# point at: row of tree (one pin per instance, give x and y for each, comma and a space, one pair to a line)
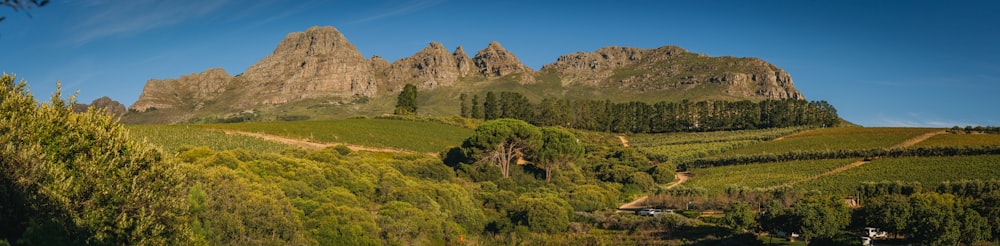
976, 129
641, 117
841, 154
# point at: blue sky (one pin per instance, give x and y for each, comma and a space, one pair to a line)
881, 63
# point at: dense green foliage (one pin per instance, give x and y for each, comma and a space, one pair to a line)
324, 197
79, 178
420, 136
641, 117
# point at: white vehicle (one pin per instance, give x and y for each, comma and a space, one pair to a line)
650, 212
875, 233
866, 241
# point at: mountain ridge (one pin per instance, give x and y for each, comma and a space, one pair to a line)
320, 64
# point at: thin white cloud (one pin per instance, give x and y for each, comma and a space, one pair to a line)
913, 120
400, 10
103, 19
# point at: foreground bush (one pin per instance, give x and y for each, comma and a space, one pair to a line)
78, 178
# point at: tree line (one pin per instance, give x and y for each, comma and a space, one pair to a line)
641, 117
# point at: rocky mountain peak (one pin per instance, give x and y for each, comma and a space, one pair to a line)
112, 107
431, 67
495, 61
465, 65
319, 62
379, 65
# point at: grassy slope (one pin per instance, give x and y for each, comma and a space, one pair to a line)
173, 137
398, 134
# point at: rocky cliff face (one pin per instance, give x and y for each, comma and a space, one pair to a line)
671, 67
431, 67
319, 62
189, 92
322, 63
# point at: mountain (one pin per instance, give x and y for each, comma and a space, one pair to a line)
319, 73
112, 107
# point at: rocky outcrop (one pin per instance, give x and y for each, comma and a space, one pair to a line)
431, 67
112, 107
671, 67
379, 66
319, 62
494, 61
465, 65
189, 91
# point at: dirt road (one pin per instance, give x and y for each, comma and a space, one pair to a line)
315, 145
624, 141
638, 203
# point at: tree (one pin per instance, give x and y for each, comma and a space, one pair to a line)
934, 220
502, 142
889, 212
559, 148
476, 112
464, 105
820, 216
490, 109
740, 217
406, 103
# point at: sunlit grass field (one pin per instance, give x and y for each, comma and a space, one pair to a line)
417, 136
173, 137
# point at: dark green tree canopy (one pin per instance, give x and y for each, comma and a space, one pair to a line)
406, 103
559, 147
502, 142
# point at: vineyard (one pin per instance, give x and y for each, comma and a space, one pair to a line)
718, 179
174, 138
833, 139
961, 140
928, 171
418, 136
680, 147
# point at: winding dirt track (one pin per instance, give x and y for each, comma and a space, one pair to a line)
315, 145
624, 141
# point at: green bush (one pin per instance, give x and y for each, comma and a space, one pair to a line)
79, 178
